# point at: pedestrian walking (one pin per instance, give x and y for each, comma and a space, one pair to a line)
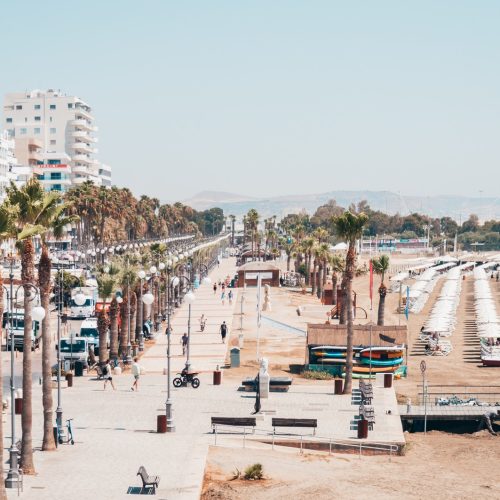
223, 286
184, 342
106, 372
223, 298
136, 372
215, 288
203, 322
230, 297
223, 331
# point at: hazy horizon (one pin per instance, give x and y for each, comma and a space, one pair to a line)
273, 99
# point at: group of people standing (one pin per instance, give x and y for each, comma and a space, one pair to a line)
230, 294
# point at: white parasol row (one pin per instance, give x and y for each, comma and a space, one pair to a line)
442, 318
487, 320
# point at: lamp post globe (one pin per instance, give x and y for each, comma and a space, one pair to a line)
206, 281
119, 299
148, 298
141, 274
152, 269
189, 297
79, 299
38, 313
161, 266
175, 281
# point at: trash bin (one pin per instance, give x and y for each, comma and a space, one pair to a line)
362, 428
161, 424
78, 369
18, 406
69, 379
235, 357
387, 380
338, 388
217, 377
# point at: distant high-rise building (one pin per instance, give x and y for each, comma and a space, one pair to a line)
51, 128
7, 163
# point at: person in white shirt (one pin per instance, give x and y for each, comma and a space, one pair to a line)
136, 372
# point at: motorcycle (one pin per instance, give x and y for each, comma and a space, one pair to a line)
184, 378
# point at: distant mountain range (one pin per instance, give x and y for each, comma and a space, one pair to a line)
457, 207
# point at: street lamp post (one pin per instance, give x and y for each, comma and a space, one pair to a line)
139, 333
38, 313
168, 404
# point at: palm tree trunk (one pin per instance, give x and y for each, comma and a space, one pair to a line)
124, 326
343, 304
313, 278
350, 263
334, 287
27, 276
3, 493
288, 259
321, 271
102, 327
113, 334
44, 282
382, 291
133, 314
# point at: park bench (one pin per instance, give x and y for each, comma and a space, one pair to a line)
367, 413
147, 480
295, 422
366, 391
234, 422
276, 384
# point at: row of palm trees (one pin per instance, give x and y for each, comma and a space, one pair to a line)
28, 214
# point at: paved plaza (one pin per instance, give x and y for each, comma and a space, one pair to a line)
115, 431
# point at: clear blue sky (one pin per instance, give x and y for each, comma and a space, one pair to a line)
274, 97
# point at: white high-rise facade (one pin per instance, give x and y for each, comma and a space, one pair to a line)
64, 126
7, 163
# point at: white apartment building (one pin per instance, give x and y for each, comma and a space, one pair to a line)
7, 163
64, 127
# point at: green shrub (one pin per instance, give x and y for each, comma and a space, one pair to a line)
253, 472
317, 375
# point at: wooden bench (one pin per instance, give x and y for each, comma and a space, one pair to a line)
276, 384
311, 423
147, 480
234, 422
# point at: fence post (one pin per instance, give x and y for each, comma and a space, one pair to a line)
301, 452
244, 435
215, 434
330, 447
359, 450
273, 439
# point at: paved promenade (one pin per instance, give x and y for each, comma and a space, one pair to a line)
115, 431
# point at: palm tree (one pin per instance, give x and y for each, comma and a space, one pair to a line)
6, 231
308, 245
253, 224
381, 266
322, 254
349, 226
113, 329
55, 220
337, 265
33, 206
106, 287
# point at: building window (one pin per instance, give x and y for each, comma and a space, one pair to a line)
18, 106
57, 187
52, 106
38, 118
37, 130
50, 119
70, 105
9, 120
37, 106
55, 176
52, 130
24, 131
54, 162
52, 142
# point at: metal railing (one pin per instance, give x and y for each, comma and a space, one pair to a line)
332, 443
482, 393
